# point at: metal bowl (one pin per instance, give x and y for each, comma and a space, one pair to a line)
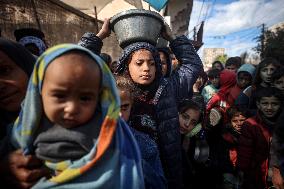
136, 25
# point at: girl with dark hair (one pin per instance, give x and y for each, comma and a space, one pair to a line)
194, 146
155, 98
264, 71
154, 110
263, 79
217, 65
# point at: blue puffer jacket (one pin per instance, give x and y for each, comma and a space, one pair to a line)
171, 91
176, 87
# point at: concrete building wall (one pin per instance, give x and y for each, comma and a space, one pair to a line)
60, 22
209, 56
178, 12
111, 47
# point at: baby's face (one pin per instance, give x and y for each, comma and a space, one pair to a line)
71, 90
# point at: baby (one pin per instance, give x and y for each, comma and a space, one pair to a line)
70, 120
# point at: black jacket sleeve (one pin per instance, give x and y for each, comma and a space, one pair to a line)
92, 42
189, 69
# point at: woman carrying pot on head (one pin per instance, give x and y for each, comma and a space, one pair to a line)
155, 109
16, 65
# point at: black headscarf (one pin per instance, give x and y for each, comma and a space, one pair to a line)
147, 92
25, 60
19, 54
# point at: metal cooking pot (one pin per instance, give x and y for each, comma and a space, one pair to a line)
137, 25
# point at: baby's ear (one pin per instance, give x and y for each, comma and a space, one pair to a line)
101, 92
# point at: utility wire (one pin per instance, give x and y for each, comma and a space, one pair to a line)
200, 12
207, 10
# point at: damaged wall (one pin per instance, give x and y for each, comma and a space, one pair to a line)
59, 22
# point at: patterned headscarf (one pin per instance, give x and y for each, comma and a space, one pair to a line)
148, 91
34, 40
127, 51
113, 162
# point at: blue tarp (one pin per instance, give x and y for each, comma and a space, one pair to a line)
157, 4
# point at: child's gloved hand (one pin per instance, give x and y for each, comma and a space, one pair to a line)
214, 117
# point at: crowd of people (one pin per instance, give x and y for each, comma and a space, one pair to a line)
72, 117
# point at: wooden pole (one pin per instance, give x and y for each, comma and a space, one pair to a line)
96, 16
36, 15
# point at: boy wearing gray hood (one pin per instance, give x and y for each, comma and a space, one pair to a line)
245, 76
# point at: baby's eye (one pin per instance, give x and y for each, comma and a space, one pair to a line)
85, 98
124, 107
59, 96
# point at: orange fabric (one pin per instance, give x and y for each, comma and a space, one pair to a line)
105, 138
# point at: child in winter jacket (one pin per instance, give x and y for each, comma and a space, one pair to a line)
255, 140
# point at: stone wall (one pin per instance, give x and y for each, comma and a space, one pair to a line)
111, 47
59, 22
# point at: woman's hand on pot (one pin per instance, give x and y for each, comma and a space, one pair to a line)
166, 32
105, 30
